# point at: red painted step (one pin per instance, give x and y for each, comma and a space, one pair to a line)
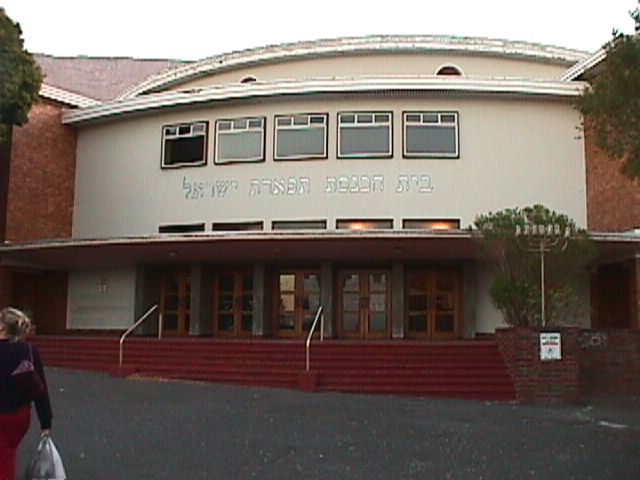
463, 369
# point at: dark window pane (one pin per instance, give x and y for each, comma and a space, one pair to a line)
247, 323
184, 150
287, 321
418, 323
225, 322
378, 322
351, 321
418, 302
378, 302
225, 303
444, 323
311, 282
170, 321
351, 302
247, 303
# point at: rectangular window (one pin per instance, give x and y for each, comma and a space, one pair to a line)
240, 140
431, 135
364, 135
299, 225
181, 228
364, 224
236, 226
301, 136
431, 224
184, 145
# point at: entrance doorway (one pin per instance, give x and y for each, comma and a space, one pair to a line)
364, 306
432, 309
299, 299
233, 304
175, 303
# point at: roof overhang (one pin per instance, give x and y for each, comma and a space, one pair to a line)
584, 66
64, 96
259, 90
273, 247
241, 247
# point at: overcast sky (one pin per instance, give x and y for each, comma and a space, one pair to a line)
194, 29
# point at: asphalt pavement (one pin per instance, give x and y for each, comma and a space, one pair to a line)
121, 429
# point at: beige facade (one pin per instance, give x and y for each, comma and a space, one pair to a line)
217, 244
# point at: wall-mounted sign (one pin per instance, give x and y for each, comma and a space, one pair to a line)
550, 346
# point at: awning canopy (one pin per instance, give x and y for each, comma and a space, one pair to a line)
248, 247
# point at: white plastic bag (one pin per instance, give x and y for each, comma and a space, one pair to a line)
46, 464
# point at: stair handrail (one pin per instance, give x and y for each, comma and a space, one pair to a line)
319, 315
133, 327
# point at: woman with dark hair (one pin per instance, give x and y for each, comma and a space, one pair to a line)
15, 408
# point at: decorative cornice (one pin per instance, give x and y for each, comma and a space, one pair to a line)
68, 98
344, 46
460, 85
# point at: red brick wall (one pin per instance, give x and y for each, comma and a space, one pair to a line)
42, 176
594, 363
613, 199
610, 362
538, 381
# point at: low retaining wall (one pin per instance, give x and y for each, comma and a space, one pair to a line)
610, 362
535, 380
593, 363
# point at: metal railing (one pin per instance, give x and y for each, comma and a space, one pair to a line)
135, 325
320, 316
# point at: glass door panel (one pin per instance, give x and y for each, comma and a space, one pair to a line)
287, 312
431, 303
364, 304
299, 299
377, 314
444, 310
175, 303
233, 304
350, 305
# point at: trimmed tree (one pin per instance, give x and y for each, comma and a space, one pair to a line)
611, 105
513, 241
20, 78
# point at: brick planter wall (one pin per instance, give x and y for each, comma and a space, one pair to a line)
610, 362
538, 381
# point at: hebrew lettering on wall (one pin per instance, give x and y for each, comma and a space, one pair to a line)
301, 185
193, 190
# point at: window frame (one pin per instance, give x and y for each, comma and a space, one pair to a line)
180, 228
261, 158
364, 224
439, 113
292, 225
357, 113
292, 116
205, 153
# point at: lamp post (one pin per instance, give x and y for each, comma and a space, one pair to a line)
542, 238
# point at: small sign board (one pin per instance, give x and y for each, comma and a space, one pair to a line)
550, 346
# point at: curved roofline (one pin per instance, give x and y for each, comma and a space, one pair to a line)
342, 46
322, 86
